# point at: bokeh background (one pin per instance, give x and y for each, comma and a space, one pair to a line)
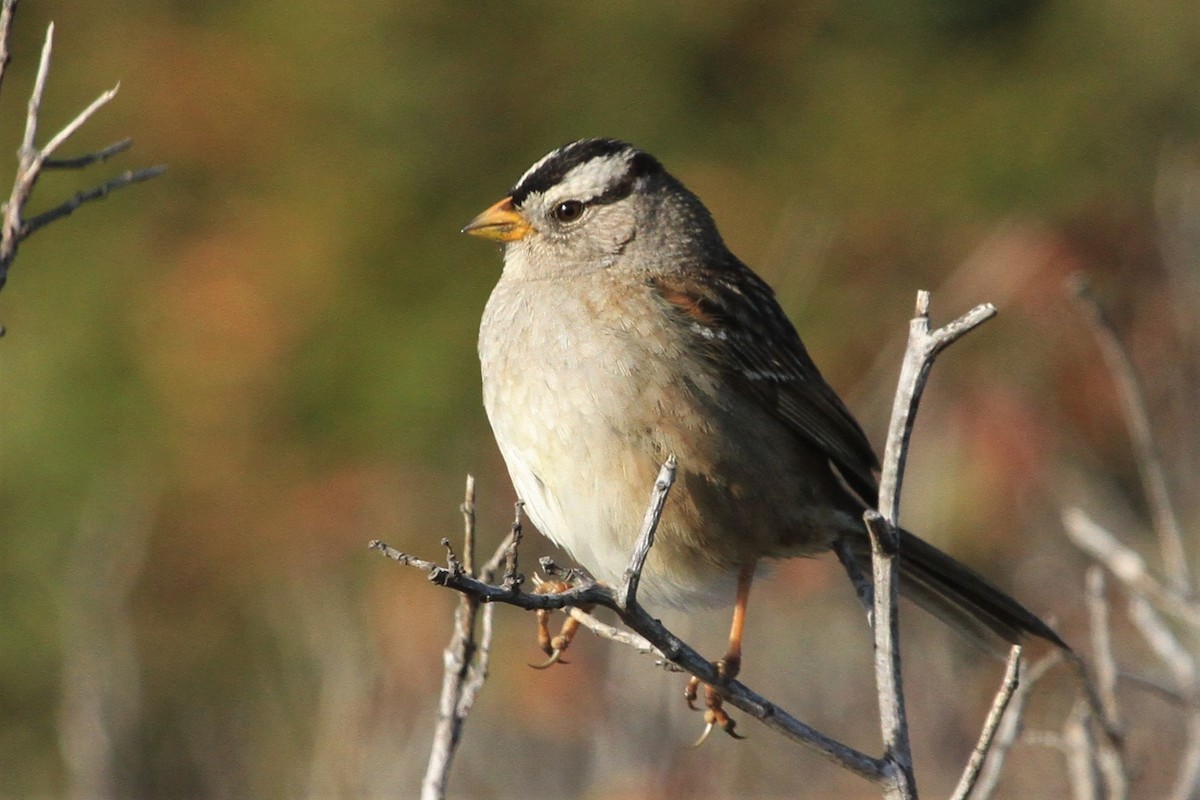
218, 386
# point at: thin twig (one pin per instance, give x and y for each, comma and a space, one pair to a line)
893, 720
1183, 668
1149, 461
78, 162
7, 11
1104, 661
68, 207
918, 360
31, 160
1010, 724
991, 725
465, 661
672, 648
627, 596
1128, 566
1101, 693
1080, 750
923, 348
614, 634
864, 589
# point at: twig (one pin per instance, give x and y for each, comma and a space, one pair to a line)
31, 160
1010, 724
6, 19
923, 348
614, 634
1183, 667
627, 595
863, 587
1101, 693
1128, 566
1105, 663
1079, 748
1149, 462
672, 648
893, 720
991, 725
90, 158
465, 662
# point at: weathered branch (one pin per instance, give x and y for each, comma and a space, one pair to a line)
673, 649
991, 725
32, 160
923, 348
465, 661
1010, 724
1128, 566
1137, 420
893, 772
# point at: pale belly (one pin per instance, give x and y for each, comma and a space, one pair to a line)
584, 433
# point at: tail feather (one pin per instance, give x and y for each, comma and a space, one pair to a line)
964, 599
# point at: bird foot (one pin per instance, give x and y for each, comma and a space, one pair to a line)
553, 646
714, 705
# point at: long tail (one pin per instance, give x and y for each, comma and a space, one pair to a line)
962, 598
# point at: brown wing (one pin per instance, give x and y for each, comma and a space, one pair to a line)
739, 323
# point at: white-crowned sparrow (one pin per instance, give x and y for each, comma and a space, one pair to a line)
623, 331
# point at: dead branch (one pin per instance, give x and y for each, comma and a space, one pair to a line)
465, 660
893, 772
32, 160
1137, 420
991, 726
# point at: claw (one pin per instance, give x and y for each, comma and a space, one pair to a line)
690, 693
715, 717
555, 658
704, 736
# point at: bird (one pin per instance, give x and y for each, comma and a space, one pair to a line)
623, 331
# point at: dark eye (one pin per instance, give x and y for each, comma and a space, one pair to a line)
568, 211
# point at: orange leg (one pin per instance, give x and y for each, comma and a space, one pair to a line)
553, 646
728, 667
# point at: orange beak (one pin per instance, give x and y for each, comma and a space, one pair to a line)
500, 223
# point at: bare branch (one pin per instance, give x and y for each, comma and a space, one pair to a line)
1149, 462
1128, 566
1079, 748
7, 11
31, 160
619, 635
1010, 724
1105, 663
658, 500
90, 158
34, 110
893, 720
672, 648
69, 129
465, 662
923, 348
68, 207
991, 725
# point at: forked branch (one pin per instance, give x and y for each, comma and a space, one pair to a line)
893, 771
32, 159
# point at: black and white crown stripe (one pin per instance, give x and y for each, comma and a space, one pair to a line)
607, 168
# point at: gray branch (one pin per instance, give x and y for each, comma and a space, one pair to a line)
32, 160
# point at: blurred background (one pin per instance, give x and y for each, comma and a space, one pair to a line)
218, 386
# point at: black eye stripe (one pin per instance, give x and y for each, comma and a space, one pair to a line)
572, 155
641, 164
